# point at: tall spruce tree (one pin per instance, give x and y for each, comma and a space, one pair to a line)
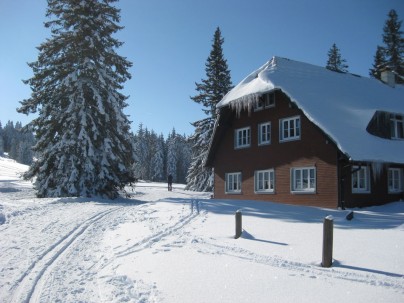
210, 91
335, 62
379, 63
83, 144
391, 55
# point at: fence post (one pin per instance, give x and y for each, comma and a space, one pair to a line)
239, 227
328, 227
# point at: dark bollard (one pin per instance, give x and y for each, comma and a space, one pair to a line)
350, 216
327, 241
239, 228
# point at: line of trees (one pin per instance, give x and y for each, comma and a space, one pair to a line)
16, 142
157, 157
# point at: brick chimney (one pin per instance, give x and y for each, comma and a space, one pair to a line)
388, 77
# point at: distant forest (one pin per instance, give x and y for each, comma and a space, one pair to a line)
156, 157
16, 143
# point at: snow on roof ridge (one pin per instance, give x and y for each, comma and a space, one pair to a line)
239, 96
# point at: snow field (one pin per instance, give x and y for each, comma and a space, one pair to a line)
179, 246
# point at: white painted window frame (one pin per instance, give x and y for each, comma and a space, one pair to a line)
233, 183
397, 127
363, 175
242, 137
395, 180
298, 180
264, 181
293, 125
266, 134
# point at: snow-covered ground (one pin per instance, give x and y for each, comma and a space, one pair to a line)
179, 246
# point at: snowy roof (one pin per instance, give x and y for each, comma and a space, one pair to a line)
341, 104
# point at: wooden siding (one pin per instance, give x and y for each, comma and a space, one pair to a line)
312, 150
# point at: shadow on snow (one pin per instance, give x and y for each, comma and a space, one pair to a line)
376, 217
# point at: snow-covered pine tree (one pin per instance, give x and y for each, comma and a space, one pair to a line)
379, 63
1, 140
141, 150
210, 92
391, 54
1, 146
394, 46
199, 178
157, 165
172, 155
184, 157
84, 147
151, 141
8, 134
335, 61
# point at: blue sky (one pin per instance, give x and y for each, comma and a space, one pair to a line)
169, 42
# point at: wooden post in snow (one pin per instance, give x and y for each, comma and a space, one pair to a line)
239, 227
328, 227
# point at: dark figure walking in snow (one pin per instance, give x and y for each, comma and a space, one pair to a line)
170, 182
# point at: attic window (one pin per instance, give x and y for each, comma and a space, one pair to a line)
387, 125
397, 127
265, 101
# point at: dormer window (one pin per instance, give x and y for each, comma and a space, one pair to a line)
265, 101
387, 125
397, 127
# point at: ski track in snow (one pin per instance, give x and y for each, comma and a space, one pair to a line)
162, 233
30, 283
71, 263
52, 272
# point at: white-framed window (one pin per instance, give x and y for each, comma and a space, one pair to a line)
266, 101
264, 133
395, 180
360, 179
289, 129
233, 183
303, 180
242, 137
264, 181
397, 127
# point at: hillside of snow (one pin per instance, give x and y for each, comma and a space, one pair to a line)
179, 246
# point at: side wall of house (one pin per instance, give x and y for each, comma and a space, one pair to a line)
311, 150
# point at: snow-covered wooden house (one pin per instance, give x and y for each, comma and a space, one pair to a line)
296, 133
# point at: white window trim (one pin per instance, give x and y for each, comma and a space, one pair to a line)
271, 175
239, 181
400, 181
397, 121
309, 190
281, 130
236, 137
365, 190
260, 142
